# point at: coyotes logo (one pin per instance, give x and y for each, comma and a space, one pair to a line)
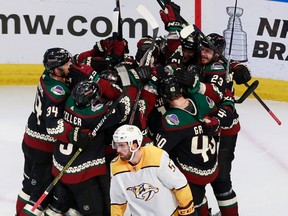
144, 191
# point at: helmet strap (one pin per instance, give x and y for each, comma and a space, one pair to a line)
132, 151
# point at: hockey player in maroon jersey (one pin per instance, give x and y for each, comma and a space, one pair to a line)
213, 77
184, 49
44, 122
222, 185
192, 143
87, 179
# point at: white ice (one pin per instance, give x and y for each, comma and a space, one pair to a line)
260, 169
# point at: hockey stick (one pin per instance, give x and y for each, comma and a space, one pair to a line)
186, 31
141, 9
145, 60
231, 42
56, 179
246, 84
162, 4
265, 106
248, 91
117, 19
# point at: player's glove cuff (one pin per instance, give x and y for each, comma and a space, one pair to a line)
174, 26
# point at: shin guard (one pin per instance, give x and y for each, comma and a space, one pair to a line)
22, 200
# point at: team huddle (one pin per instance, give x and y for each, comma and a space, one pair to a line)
112, 132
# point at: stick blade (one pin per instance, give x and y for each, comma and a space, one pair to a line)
116, 14
116, 20
141, 9
248, 91
185, 32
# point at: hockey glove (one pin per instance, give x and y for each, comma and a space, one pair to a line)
120, 46
80, 139
211, 125
154, 81
241, 73
99, 64
77, 74
171, 17
141, 74
227, 117
187, 79
75, 59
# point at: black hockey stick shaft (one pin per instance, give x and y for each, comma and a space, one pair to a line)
145, 60
56, 179
117, 10
162, 4
246, 84
248, 91
231, 41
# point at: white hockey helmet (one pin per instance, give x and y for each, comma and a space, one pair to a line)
128, 133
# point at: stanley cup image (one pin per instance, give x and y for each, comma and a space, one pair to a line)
239, 43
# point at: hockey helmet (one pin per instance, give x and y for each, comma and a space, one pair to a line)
128, 133
190, 43
169, 88
85, 92
55, 57
214, 41
111, 75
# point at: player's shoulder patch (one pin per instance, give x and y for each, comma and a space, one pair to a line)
58, 90
217, 66
210, 102
96, 107
177, 118
172, 119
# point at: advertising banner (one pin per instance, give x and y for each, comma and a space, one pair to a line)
29, 27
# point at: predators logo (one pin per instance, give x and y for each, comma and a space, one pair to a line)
144, 191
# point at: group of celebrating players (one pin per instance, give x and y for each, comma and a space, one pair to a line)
181, 98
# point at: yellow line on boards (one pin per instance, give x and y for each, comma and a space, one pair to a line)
20, 74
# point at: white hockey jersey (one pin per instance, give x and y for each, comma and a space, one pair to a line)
153, 187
